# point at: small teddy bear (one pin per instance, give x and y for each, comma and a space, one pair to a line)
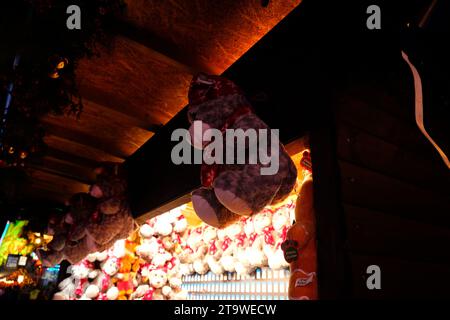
158, 278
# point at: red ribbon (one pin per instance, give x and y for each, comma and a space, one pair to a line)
170, 264
212, 247
241, 239
79, 290
226, 243
105, 282
268, 237
253, 237
149, 294
176, 238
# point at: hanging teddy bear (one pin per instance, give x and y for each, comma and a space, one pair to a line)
95, 220
70, 239
230, 191
113, 220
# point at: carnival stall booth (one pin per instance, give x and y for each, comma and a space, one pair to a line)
176, 255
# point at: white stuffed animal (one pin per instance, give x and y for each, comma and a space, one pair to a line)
175, 282
214, 254
255, 252
228, 263
158, 278
111, 266
186, 269
275, 256
261, 221
249, 227
201, 266
214, 265
119, 249
92, 291
162, 226
243, 269
148, 248
281, 218
167, 292
179, 294
146, 231
160, 258
199, 259
112, 293
180, 225
140, 292
67, 289
101, 256
195, 238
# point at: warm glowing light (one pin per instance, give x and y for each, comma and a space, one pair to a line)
54, 75
23, 155
38, 241
20, 279
61, 65
11, 150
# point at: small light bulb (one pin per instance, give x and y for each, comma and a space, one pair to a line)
54, 75
61, 65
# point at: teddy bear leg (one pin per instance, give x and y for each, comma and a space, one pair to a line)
210, 210
246, 192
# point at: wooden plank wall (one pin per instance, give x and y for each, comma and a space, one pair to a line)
394, 188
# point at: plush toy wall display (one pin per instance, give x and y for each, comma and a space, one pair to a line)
150, 263
231, 191
143, 266
95, 220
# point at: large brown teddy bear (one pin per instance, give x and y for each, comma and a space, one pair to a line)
70, 239
115, 220
94, 222
231, 191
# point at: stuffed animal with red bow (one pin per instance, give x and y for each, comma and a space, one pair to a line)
230, 191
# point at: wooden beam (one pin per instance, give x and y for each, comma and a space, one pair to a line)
103, 99
38, 194
115, 112
84, 139
66, 170
70, 158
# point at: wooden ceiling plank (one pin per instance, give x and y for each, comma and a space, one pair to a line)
40, 194
79, 149
160, 48
56, 182
119, 113
64, 170
104, 100
83, 139
71, 158
136, 82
